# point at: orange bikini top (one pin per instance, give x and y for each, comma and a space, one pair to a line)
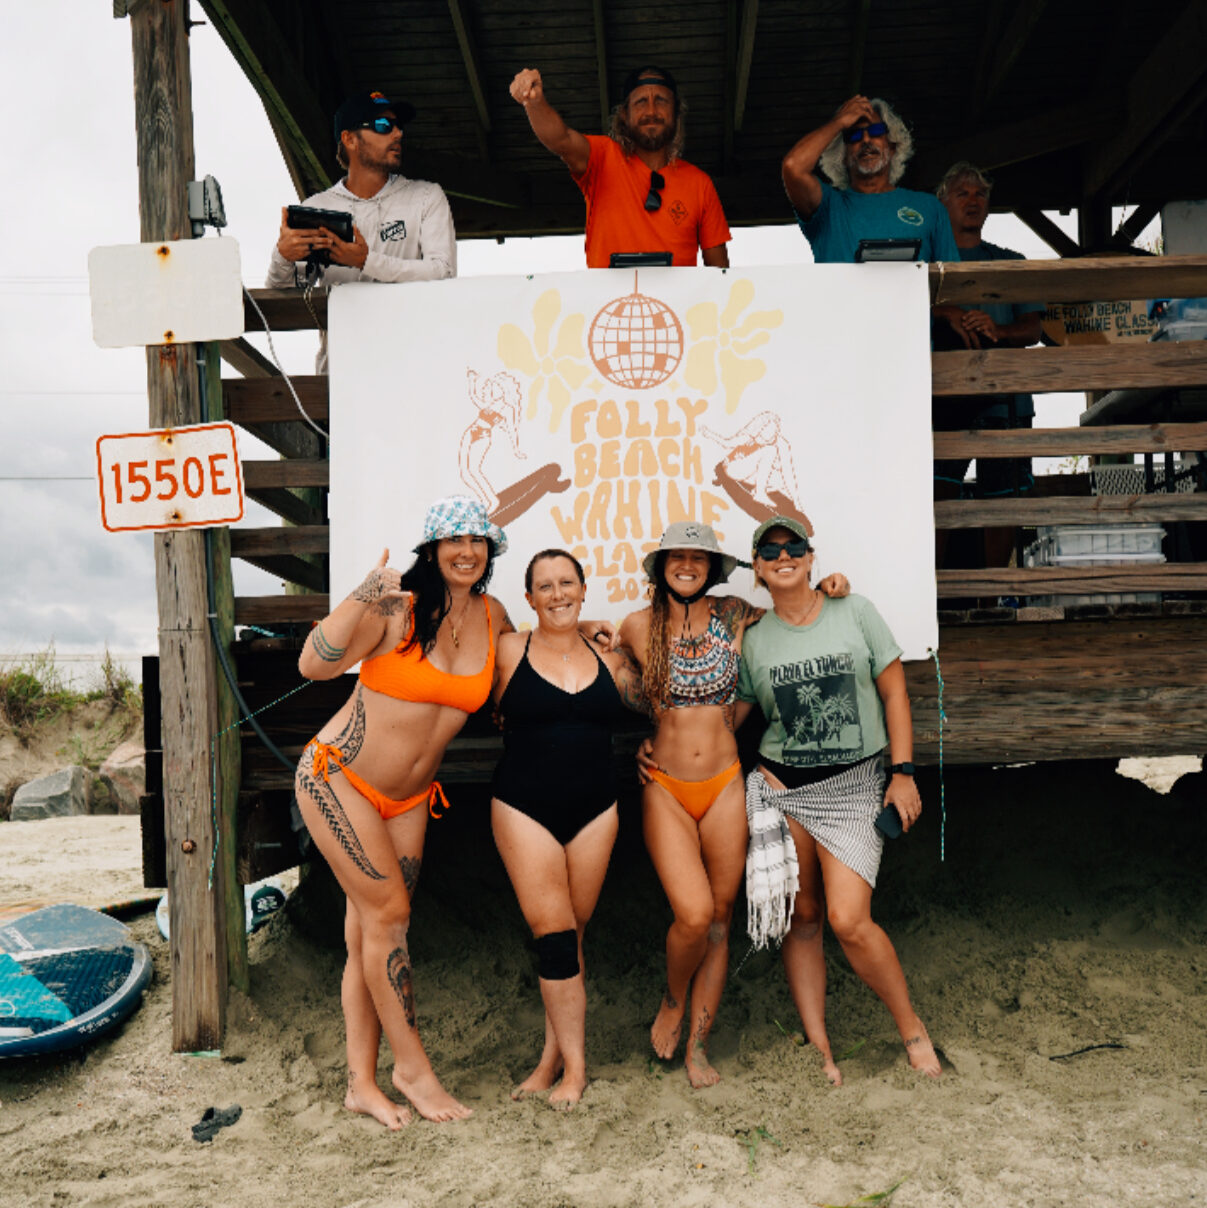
408, 675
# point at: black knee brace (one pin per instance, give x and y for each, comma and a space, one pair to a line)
557, 956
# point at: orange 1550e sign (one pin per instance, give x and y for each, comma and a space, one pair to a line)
172, 478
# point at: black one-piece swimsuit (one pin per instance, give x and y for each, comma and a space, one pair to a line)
557, 749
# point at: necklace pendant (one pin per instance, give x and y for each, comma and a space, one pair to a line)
456, 640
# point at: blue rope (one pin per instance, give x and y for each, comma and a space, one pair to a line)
214, 774
934, 654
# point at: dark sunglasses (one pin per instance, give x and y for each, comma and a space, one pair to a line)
770, 551
382, 125
873, 130
654, 200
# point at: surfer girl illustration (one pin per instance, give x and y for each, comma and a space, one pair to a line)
498, 399
757, 472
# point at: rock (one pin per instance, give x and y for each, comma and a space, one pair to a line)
124, 774
58, 795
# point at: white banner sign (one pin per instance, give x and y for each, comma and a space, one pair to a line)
589, 410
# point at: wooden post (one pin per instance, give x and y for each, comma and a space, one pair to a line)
164, 127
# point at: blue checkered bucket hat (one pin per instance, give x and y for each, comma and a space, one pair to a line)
461, 516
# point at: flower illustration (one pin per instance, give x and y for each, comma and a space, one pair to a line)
557, 369
722, 340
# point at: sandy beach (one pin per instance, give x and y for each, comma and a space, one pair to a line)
1069, 913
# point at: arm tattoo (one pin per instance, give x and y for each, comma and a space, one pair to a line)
506, 625
629, 681
323, 648
389, 607
398, 970
333, 814
409, 867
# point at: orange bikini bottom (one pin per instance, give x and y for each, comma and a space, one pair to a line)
697, 796
325, 755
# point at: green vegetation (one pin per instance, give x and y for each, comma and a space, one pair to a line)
33, 692
752, 1138
873, 1199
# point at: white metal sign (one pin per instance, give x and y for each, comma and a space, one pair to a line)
173, 292
171, 478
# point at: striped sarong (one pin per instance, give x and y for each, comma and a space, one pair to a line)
838, 812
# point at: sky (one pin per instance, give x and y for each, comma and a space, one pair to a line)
66, 81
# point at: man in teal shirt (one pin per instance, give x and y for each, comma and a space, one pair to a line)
863, 149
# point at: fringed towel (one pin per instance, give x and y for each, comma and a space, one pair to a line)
839, 812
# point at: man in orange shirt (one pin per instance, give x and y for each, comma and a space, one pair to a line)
641, 196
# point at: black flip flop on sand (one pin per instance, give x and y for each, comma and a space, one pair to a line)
213, 1119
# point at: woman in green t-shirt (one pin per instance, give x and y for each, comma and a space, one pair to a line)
828, 676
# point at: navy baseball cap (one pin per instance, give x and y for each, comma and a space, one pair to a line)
648, 75
363, 107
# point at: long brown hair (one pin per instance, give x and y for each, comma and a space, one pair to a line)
655, 677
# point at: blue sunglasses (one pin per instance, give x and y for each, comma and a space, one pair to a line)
873, 130
382, 125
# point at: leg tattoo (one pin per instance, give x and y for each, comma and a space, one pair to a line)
398, 970
409, 867
333, 814
669, 1000
352, 738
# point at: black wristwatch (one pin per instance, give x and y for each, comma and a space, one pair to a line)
906, 769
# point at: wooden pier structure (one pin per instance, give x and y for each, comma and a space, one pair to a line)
1030, 683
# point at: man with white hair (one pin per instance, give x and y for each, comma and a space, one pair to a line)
863, 149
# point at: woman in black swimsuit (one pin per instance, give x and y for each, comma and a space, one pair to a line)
554, 809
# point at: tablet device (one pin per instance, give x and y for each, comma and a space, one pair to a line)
308, 218
640, 259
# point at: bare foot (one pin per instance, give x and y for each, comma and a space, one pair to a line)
832, 1072
700, 1071
430, 1099
664, 1035
541, 1079
567, 1094
368, 1098
921, 1052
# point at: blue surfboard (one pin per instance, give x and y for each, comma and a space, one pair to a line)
67, 975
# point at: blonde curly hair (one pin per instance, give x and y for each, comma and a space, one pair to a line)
833, 161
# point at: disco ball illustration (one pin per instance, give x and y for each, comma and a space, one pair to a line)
636, 341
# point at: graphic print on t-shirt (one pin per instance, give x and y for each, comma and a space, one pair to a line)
818, 708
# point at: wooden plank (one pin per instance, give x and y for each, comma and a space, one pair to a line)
164, 135
1097, 278
286, 310
1072, 581
1048, 231
312, 472
469, 58
1060, 442
1013, 41
1185, 405
269, 610
247, 359
1098, 509
286, 504
296, 539
745, 53
257, 401
1041, 370
1130, 229
860, 12
290, 568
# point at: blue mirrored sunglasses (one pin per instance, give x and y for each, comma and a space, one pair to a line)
382, 125
872, 130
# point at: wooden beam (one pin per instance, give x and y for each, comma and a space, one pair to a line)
247, 359
298, 472
1061, 442
1072, 581
729, 83
285, 504
601, 63
286, 310
860, 12
1097, 278
1097, 509
288, 567
310, 539
745, 55
469, 57
992, 15
256, 401
1046, 370
279, 610
301, 118
1171, 81
1094, 223
164, 133
1013, 42
1049, 232
1132, 227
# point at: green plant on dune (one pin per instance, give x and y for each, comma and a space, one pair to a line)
32, 691
752, 1138
873, 1199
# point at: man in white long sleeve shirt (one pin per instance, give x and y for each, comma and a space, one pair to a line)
403, 229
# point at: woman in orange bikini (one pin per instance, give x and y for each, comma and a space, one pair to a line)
688, 645
365, 785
